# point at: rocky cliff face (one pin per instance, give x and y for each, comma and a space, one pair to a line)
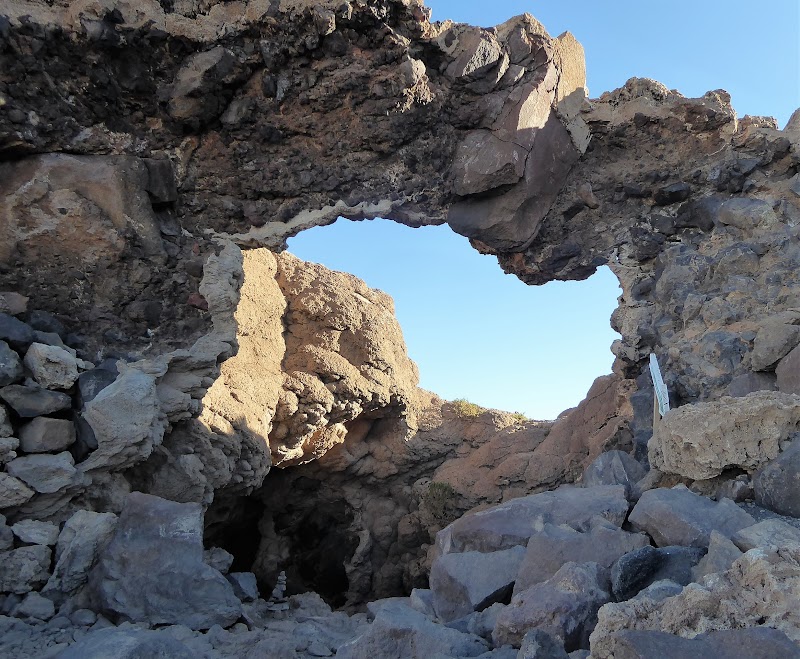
154, 157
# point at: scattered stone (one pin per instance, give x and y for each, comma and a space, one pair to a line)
83, 617
130, 643
52, 367
645, 566
153, 571
29, 401
788, 373
773, 342
614, 468
12, 303
660, 590
244, 585
554, 546
404, 632
44, 473
771, 533
14, 332
10, 365
34, 532
756, 643
565, 606
25, 569
538, 644
43, 435
777, 484
514, 522
700, 441
672, 194
6, 429
677, 516
219, 559
471, 581
35, 606
8, 449
13, 492
721, 555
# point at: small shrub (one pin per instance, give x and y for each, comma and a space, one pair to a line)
440, 500
519, 417
466, 410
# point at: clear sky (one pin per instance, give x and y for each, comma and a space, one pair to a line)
479, 334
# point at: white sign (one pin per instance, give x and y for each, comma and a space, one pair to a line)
658, 385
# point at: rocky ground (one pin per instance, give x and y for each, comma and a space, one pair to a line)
207, 445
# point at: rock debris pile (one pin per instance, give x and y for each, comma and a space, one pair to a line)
208, 445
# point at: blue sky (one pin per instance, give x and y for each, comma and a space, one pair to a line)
479, 334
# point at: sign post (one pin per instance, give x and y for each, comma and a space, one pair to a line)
661, 398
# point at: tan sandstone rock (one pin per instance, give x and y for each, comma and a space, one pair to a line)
700, 441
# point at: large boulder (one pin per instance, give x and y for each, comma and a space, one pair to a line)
471, 581
24, 569
550, 549
643, 567
400, 631
678, 516
565, 606
760, 590
153, 570
777, 484
700, 441
514, 522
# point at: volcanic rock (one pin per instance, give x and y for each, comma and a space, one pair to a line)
647, 565
29, 401
44, 435
25, 569
10, 365
52, 367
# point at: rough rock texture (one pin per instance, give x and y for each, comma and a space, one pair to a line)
700, 441
760, 590
777, 484
153, 571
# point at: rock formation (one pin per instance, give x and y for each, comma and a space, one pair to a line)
169, 377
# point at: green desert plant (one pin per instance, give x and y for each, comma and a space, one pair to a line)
519, 417
466, 410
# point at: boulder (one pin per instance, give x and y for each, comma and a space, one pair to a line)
642, 567
747, 383
25, 569
554, 546
29, 400
514, 522
660, 590
44, 473
6, 429
244, 585
130, 643
44, 435
721, 555
614, 468
218, 559
484, 162
757, 643
15, 333
760, 590
127, 421
771, 533
538, 644
92, 382
677, 516
34, 606
84, 535
153, 570
700, 441
565, 606
400, 631
10, 365
788, 373
421, 599
33, 532
777, 484
52, 367
13, 492
773, 342
471, 581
